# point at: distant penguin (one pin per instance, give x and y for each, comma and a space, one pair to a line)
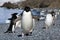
49, 19
12, 25
26, 22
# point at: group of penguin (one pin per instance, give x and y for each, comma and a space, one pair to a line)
27, 21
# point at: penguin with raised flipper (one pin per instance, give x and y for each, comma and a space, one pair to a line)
12, 24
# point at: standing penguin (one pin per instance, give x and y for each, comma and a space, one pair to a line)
12, 24
26, 22
49, 19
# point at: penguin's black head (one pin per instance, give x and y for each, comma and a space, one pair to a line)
27, 9
13, 16
52, 13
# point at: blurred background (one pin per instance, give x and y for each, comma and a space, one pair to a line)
7, 7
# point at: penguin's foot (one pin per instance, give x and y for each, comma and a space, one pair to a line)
14, 32
28, 34
43, 27
6, 32
22, 35
9, 32
19, 35
53, 24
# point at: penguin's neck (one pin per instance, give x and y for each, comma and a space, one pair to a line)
28, 13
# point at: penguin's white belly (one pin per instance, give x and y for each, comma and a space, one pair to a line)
27, 22
49, 19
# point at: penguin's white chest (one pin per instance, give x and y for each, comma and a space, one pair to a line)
49, 19
27, 21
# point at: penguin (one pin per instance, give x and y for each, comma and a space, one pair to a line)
49, 19
11, 28
26, 22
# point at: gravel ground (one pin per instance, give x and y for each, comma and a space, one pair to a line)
53, 33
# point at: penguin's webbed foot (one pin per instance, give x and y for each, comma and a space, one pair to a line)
6, 32
53, 24
9, 32
30, 34
43, 27
19, 35
22, 35
27, 34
